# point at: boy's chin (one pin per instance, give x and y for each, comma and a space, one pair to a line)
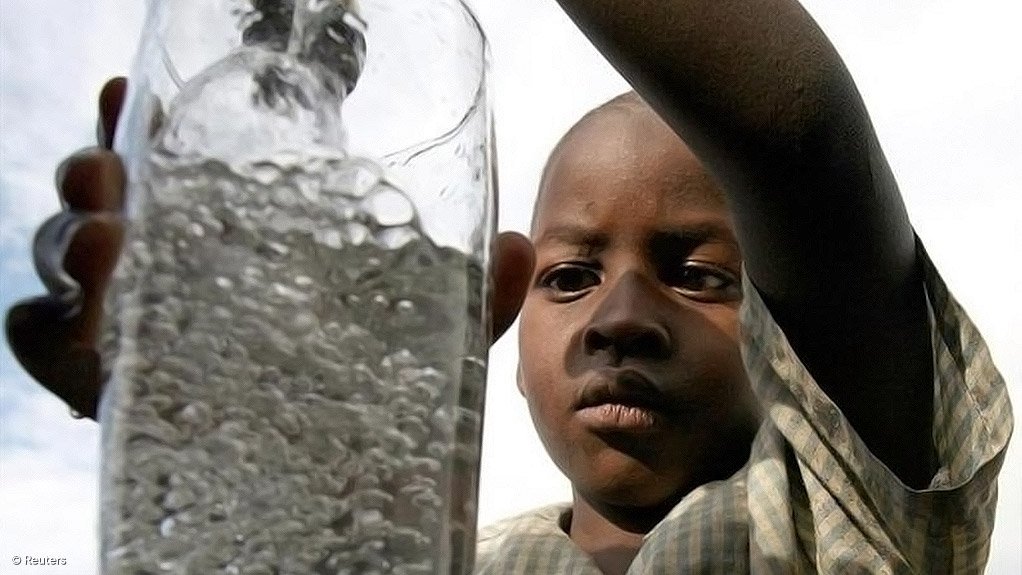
626, 483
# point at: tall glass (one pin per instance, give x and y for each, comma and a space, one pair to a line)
298, 325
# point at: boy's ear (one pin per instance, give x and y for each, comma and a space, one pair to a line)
511, 271
518, 379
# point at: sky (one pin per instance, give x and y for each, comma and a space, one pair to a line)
940, 77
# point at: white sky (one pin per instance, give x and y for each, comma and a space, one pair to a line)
941, 78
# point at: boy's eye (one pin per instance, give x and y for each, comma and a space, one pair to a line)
704, 282
569, 279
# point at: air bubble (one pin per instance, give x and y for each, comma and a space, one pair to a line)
396, 237
304, 322
388, 206
196, 415
289, 294
167, 527
272, 250
427, 499
289, 424
357, 180
176, 221
265, 173
331, 239
222, 313
356, 233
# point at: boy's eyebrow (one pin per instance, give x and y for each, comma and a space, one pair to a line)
700, 233
575, 236
687, 234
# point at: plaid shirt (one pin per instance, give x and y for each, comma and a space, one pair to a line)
812, 498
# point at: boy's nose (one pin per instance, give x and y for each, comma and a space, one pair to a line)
627, 324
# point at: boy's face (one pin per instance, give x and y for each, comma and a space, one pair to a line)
629, 333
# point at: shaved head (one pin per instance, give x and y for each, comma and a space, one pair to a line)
625, 128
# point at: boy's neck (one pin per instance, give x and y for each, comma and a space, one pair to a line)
611, 535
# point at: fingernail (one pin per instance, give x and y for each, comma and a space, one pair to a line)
85, 369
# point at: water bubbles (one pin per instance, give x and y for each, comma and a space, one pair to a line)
295, 414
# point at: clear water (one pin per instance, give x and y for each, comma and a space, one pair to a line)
298, 379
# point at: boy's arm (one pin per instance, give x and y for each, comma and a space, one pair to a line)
759, 93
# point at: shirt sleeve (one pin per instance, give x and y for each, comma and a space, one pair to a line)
857, 515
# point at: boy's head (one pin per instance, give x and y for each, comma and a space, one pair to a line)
629, 333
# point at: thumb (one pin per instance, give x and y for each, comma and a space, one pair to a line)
111, 98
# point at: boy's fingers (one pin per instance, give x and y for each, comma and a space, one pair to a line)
513, 261
40, 333
54, 336
91, 180
90, 261
111, 98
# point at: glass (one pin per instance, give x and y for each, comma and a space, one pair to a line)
299, 322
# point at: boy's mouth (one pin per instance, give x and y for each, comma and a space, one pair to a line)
617, 417
622, 400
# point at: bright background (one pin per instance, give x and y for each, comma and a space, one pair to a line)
941, 77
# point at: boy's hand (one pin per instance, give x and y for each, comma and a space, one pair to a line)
54, 336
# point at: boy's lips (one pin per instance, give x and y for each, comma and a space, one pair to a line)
616, 417
622, 400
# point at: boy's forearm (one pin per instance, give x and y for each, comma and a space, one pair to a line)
742, 80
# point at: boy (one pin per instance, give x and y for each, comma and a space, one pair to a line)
681, 459
630, 364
